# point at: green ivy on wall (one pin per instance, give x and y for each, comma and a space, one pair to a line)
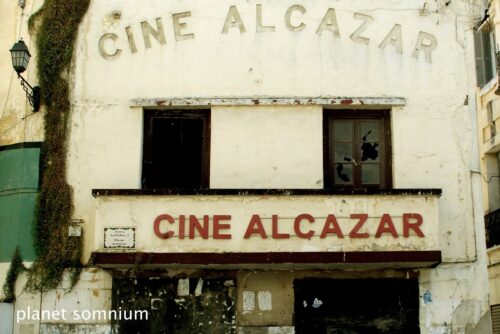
16, 267
56, 26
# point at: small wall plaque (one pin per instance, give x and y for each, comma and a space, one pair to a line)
75, 231
119, 237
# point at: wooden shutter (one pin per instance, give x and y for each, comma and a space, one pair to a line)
478, 49
484, 50
495, 318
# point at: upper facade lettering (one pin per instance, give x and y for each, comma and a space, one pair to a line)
112, 45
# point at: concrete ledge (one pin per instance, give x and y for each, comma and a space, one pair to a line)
401, 259
328, 101
268, 192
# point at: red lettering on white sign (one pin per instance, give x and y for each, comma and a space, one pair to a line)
218, 226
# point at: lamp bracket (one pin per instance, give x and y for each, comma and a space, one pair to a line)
32, 93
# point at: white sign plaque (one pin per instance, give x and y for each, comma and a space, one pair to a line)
119, 237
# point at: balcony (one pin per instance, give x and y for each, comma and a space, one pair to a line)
267, 228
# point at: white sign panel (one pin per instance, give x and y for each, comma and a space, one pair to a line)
272, 223
119, 237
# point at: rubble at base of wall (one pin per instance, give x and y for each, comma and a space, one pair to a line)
74, 329
106, 329
267, 330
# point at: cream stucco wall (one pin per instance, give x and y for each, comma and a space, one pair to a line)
256, 151
4, 269
64, 305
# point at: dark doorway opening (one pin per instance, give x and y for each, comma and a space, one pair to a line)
355, 306
199, 306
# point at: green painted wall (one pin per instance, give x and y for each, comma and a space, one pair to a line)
19, 174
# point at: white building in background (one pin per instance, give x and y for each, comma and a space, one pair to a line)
488, 101
274, 167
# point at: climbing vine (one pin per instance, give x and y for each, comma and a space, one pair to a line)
56, 26
16, 267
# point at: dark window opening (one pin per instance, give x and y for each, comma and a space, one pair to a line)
176, 149
492, 224
353, 306
357, 149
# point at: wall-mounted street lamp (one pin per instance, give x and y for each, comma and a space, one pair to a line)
20, 59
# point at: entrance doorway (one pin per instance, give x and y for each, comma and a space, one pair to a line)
204, 305
356, 306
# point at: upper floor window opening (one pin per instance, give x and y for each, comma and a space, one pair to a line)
357, 149
176, 149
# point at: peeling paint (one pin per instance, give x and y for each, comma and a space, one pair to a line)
427, 297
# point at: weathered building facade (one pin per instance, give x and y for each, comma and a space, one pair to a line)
269, 167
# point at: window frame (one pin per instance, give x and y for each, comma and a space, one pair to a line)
149, 115
485, 62
386, 138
